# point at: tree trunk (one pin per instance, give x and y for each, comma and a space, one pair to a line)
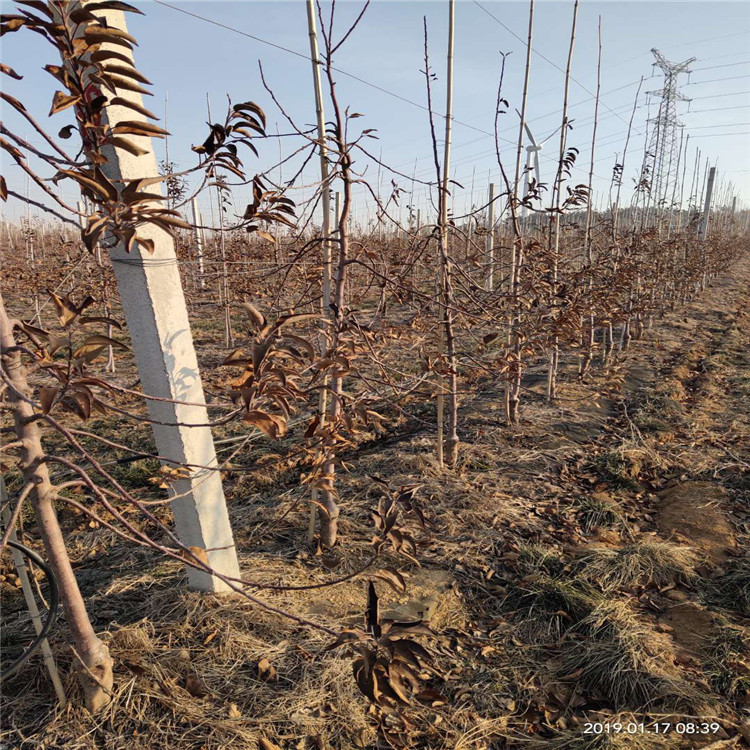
96, 664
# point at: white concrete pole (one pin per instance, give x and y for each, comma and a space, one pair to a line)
704, 223
29, 235
380, 219
490, 241
154, 306
707, 204
82, 210
198, 240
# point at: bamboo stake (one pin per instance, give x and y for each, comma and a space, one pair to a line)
469, 229
490, 241
616, 209
28, 595
555, 225
325, 302
30, 239
513, 386
380, 200
589, 344
198, 241
228, 336
674, 189
166, 149
445, 313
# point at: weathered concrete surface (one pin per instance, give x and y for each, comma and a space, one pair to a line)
156, 313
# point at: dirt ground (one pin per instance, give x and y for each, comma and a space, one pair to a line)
591, 565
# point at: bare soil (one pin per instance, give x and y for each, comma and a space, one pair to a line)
694, 512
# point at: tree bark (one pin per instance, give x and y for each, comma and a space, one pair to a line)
96, 664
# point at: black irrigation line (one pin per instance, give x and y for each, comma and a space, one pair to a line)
54, 597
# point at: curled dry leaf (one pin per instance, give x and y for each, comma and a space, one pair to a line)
273, 425
9, 71
393, 578
47, 395
266, 671
255, 316
194, 687
198, 552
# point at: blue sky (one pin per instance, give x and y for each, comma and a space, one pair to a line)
186, 57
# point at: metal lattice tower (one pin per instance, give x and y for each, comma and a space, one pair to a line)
662, 154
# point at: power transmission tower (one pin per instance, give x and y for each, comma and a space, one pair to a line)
662, 155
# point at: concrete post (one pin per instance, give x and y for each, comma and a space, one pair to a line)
82, 210
154, 306
490, 241
707, 204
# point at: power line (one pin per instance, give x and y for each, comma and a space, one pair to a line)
717, 109
307, 58
709, 39
398, 96
714, 80
721, 125
539, 54
714, 135
484, 133
716, 96
686, 44
231, 28
344, 72
727, 65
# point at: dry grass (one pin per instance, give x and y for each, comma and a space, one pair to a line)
598, 511
731, 589
188, 676
628, 664
619, 467
534, 558
544, 607
643, 562
727, 667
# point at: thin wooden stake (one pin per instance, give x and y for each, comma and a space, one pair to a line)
198, 240
513, 383
490, 241
589, 343
325, 302
445, 314
555, 225
31, 605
